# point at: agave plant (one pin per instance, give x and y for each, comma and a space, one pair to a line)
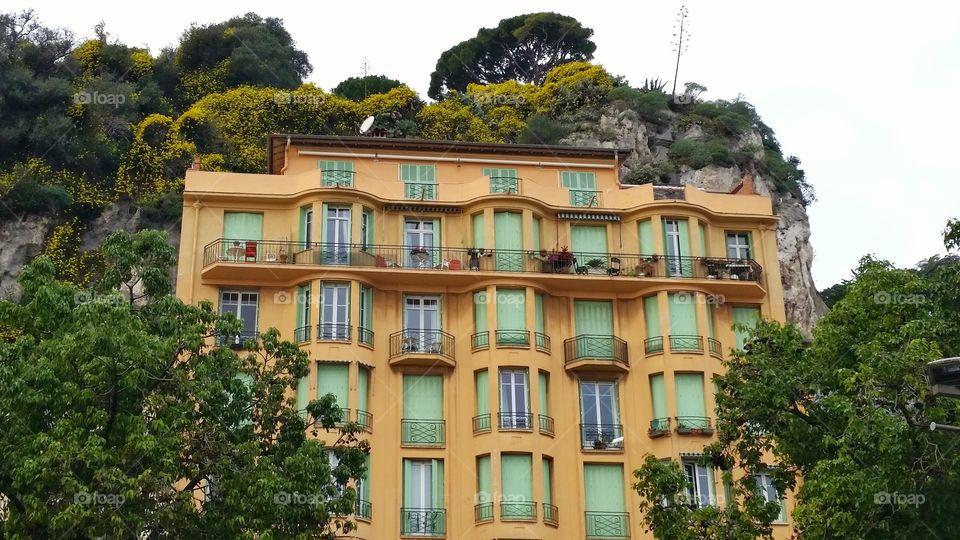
654, 85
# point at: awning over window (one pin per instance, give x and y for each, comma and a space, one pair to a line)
588, 216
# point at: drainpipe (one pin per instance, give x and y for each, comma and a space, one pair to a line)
285, 161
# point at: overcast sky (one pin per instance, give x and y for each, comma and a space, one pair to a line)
865, 95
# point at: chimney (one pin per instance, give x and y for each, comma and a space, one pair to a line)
745, 187
196, 164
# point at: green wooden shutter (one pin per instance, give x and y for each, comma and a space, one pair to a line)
537, 242
511, 315
239, 227
502, 180
683, 314
480, 328
437, 244
690, 400
646, 238
516, 479
436, 475
407, 483
368, 239
508, 237
366, 299
363, 389
703, 240
333, 379
303, 226
603, 489
541, 326
422, 397
298, 302
302, 398
594, 318
746, 316
479, 230
336, 173
547, 481
588, 242
544, 380
710, 329
328, 250
419, 181
651, 315
481, 385
659, 395
365, 485
577, 183
484, 490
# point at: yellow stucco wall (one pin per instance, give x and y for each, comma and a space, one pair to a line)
208, 195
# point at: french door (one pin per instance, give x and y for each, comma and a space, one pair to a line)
337, 236
598, 411
514, 399
419, 237
419, 519
335, 317
672, 236
422, 324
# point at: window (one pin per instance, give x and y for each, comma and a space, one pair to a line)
333, 378
589, 246
484, 506
549, 510
701, 491
422, 423
703, 239
244, 305
768, 491
645, 232
422, 513
537, 227
336, 173
422, 324
744, 319
516, 482
481, 422
684, 336
651, 315
514, 399
479, 231
541, 338
582, 186
502, 180
303, 397
599, 414
364, 510
594, 326
481, 335
365, 332
546, 422
508, 241
422, 237
691, 407
660, 423
364, 418
604, 499
676, 243
512, 318
242, 231
738, 245
336, 236
334, 462
366, 229
306, 226
301, 333
420, 181
335, 312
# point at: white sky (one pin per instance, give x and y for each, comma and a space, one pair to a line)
865, 95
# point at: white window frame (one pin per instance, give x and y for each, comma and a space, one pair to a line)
240, 302
764, 488
694, 472
341, 291
508, 402
736, 249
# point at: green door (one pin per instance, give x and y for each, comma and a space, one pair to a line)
242, 232
594, 327
589, 246
508, 237
512, 317
744, 319
691, 406
603, 496
683, 322
516, 481
422, 410
422, 512
334, 379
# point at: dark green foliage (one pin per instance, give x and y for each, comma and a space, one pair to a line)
161, 212
523, 48
654, 85
951, 234
697, 154
542, 129
357, 88
30, 196
787, 175
650, 173
834, 293
650, 105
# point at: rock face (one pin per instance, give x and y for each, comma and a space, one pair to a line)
20, 241
623, 129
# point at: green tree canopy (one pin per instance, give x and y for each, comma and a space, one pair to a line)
119, 417
358, 88
522, 48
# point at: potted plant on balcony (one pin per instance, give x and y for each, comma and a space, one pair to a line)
559, 262
600, 443
646, 266
475, 254
596, 266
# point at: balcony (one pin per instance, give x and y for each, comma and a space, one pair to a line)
513, 338
365, 336
422, 433
542, 342
364, 510
420, 192
336, 178
302, 334
716, 350
427, 522
653, 345
481, 423
236, 342
659, 427
590, 352
686, 344
518, 511
398, 266
551, 515
365, 420
514, 421
584, 198
480, 341
483, 512
601, 437
546, 425
608, 524
509, 185
415, 347
334, 332
694, 425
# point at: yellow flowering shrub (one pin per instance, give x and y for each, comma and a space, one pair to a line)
155, 160
89, 54
522, 98
142, 62
63, 248
451, 120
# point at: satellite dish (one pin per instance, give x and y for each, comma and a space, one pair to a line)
366, 125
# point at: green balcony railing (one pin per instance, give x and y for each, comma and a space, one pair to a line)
551, 515
505, 184
429, 433
580, 197
608, 524
429, 522
481, 423
595, 347
483, 512
546, 425
518, 511
420, 192
480, 341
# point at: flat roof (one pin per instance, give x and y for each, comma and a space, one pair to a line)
276, 143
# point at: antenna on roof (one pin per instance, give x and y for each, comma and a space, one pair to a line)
366, 124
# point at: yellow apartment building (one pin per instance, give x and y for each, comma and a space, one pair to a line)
515, 329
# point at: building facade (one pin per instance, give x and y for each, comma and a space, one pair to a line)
514, 328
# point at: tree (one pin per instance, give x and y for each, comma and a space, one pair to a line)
849, 413
522, 48
121, 421
358, 88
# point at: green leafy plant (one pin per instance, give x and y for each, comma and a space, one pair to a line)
542, 129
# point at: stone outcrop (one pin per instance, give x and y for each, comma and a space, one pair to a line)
20, 242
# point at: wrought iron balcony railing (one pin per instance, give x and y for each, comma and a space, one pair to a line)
518, 511
694, 425
416, 341
692, 344
546, 425
302, 334
480, 341
334, 332
581, 197
420, 192
601, 436
481, 423
365, 336
608, 524
335, 178
542, 342
236, 341
365, 420
595, 347
430, 433
505, 184
653, 345
659, 427
364, 509
551, 515
483, 512
714, 347
430, 522
514, 421
513, 338
444, 258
